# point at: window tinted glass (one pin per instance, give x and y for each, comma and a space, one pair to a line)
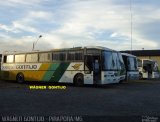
78, 55
122, 66
115, 61
62, 56
107, 60
71, 56
132, 63
59, 56
112, 61
89, 63
55, 56
139, 63
119, 60
75, 55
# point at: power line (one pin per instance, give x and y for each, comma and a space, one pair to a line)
131, 23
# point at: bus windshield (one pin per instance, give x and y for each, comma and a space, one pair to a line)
132, 63
155, 67
112, 61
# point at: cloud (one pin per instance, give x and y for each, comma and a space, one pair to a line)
114, 34
91, 24
40, 15
6, 28
81, 23
15, 3
27, 23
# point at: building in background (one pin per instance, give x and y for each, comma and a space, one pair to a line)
145, 54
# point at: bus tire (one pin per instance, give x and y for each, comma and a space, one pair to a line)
20, 78
79, 79
121, 81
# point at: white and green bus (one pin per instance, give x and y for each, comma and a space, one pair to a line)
131, 65
148, 69
88, 65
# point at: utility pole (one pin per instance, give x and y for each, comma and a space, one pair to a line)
131, 24
34, 43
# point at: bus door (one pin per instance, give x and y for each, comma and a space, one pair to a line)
147, 67
96, 69
93, 64
150, 70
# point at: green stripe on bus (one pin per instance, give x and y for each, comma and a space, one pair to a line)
59, 72
50, 71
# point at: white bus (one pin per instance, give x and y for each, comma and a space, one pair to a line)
88, 65
148, 69
131, 66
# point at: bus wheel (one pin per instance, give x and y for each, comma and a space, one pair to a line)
20, 78
121, 81
79, 80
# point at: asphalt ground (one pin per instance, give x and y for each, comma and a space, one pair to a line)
132, 99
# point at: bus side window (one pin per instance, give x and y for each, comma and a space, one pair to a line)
115, 61
71, 56
135, 64
89, 63
55, 56
59, 56
44, 57
62, 56
122, 63
139, 62
78, 55
128, 63
32, 57
9, 59
5, 59
20, 58
75, 56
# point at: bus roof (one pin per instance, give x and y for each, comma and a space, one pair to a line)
98, 47
87, 47
61, 49
148, 60
127, 54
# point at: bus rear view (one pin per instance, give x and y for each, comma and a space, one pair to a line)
148, 69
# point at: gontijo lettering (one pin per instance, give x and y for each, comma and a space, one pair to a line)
26, 67
21, 67
7, 67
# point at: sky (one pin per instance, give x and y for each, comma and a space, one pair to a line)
75, 23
